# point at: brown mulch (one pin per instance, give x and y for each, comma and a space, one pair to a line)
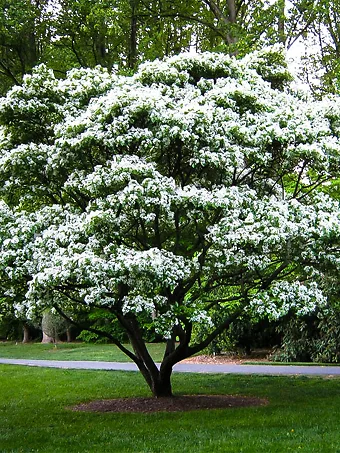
224, 358
180, 403
174, 404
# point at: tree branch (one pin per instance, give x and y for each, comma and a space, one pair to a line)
97, 332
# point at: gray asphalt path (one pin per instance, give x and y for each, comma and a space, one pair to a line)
274, 370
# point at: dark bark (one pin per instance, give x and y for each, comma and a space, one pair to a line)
31, 57
162, 386
132, 57
26, 333
232, 11
159, 381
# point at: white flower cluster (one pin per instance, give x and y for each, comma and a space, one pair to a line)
127, 192
288, 297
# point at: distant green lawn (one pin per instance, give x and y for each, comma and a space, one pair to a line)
302, 415
99, 352
72, 351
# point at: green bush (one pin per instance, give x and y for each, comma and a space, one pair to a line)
107, 324
310, 339
243, 336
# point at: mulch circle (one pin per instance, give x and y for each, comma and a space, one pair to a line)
174, 404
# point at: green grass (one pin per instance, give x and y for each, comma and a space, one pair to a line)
99, 352
254, 362
302, 415
72, 351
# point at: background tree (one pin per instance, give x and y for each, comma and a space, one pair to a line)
85, 33
52, 326
25, 34
320, 63
88, 34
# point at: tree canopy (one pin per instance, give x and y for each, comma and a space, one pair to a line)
85, 33
194, 185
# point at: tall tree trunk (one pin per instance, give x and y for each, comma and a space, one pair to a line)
232, 11
158, 380
281, 21
26, 332
68, 334
132, 55
215, 8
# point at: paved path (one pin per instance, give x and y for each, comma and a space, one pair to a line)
186, 367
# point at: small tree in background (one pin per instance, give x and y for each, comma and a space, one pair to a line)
190, 187
52, 326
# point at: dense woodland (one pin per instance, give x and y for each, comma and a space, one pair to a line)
85, 33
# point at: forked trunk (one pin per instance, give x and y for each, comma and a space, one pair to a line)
159, 381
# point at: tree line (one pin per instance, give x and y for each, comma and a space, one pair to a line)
111, 33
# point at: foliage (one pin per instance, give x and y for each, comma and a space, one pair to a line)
243, 336
25, 34
320, 62
53, 325
313, 339
327, 345
10, 328
223, 343
297, 342
101, 320
85, 33
188, 186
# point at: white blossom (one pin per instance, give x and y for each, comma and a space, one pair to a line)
131, 193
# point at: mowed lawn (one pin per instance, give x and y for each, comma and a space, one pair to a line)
302, 414
72, 351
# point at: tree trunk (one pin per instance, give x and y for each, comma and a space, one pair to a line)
132, 55
162, 387
26, 332
69, 334
281, 22
46, 338
56, 338
226, 21
159, 381
232, 11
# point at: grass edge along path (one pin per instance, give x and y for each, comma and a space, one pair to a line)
106, 353
72, 351
301, 414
